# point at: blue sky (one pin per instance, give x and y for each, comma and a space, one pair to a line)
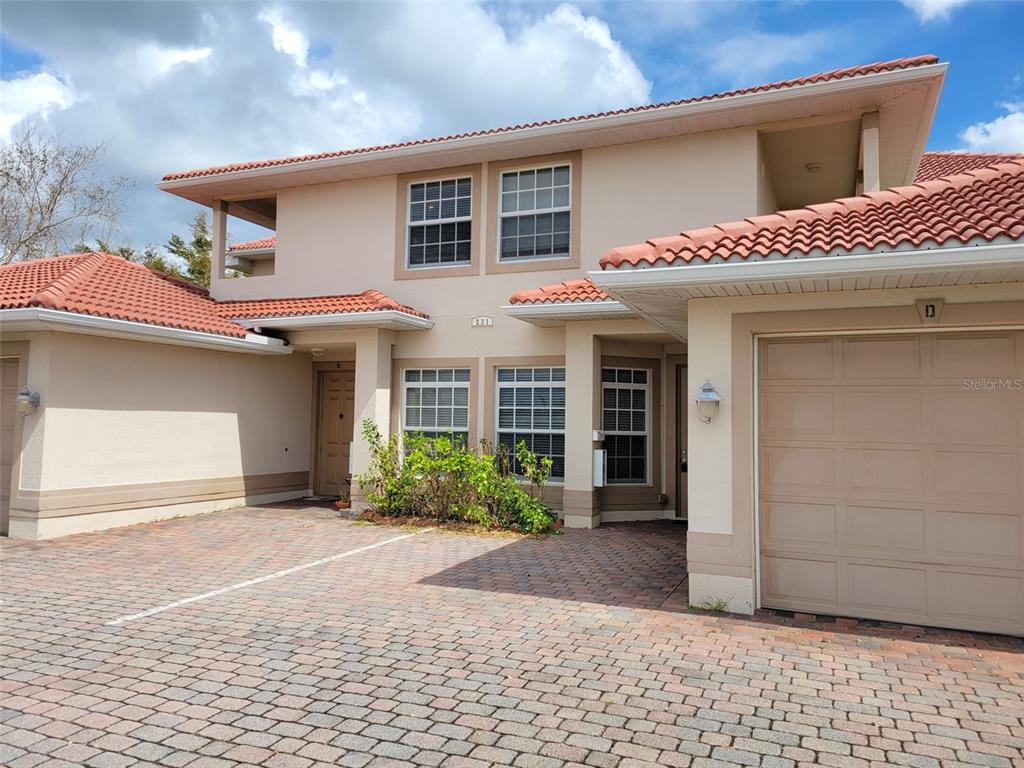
175, 85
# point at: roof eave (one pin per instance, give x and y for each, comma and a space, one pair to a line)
388, 319
522, 138
981, 259
558, 313
41, 319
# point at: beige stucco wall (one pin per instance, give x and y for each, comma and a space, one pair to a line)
341, 237
128, 426
721, 544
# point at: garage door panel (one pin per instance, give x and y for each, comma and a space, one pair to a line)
973, 417
878, 589
881, 358
911, 508
799, 360
977, 477
888, 532
881, 473
969, 356
797, 415
880, 415
792, 582
793, 525
993, 602
798, 470
979, 538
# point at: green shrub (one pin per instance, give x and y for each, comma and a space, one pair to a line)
442, 479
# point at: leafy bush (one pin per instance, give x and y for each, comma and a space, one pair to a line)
442, 479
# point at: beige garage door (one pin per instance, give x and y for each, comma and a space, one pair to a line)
890, 473
8, 413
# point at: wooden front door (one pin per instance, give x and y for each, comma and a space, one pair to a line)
334, 431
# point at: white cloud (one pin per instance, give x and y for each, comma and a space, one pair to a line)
195, 85
34, 95
1003, 134
751, 57
932, 10
153, 61
287, 39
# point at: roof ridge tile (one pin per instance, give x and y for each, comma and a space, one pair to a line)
55, 295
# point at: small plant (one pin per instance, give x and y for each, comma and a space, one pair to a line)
443, 479
714, 604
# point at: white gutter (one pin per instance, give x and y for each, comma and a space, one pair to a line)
386, 318
976, 258
691, 109
567, 310
40, 319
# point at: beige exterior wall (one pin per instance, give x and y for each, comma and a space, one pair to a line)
722, 542
131, 431
342, 237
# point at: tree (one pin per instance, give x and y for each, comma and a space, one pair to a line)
196, 252
53, 195
150, 257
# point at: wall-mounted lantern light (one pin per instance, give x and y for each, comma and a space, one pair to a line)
708, 401
27, 401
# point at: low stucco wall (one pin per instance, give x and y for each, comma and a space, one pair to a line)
129, 432
721, 543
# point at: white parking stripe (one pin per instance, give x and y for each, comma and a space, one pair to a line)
260, 580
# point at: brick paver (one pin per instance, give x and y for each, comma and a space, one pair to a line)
454, 650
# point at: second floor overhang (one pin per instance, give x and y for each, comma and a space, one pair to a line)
904, 93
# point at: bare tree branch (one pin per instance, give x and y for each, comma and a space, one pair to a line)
52, 195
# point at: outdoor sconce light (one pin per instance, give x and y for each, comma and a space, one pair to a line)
707, 401
27, 401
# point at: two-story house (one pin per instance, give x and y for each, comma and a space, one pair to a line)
806, 389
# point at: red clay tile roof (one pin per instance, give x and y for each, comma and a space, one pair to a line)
102, 285
837, 74
935, 165
571, 291
367, 301
977, 206
252, 245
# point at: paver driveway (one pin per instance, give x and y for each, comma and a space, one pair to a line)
443, 649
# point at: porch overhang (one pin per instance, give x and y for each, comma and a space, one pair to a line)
550, 315
660, 294
392, 320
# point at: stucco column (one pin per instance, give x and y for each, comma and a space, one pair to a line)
218, 241
372, 398
870, 153
582, 413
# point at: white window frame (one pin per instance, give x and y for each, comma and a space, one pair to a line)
409, 223
524, 385
559, 209
646, 433
404, 427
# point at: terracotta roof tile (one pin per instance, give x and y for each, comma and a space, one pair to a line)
562, 293
102, 285
367, 301
837, 74
252, 245
977, 205
936, 165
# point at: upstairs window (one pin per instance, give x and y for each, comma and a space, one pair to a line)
531, 408
436, 402
535, 213
439, 222
625, 399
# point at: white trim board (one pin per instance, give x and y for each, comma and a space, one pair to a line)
41, 319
